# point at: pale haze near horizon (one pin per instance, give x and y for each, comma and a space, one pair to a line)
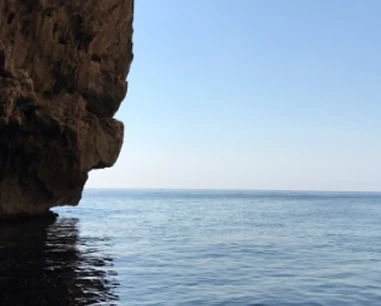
280, 95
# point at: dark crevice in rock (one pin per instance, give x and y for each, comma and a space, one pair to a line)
25, 102
48, 12
83, 36
62, 81
55, 28
62, 41
93, 105
2, 59
10, 18
96, 58
25, 28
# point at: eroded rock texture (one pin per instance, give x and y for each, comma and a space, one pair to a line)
63, 69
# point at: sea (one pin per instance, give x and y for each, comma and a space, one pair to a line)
198, 247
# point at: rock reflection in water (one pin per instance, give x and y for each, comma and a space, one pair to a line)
44, 263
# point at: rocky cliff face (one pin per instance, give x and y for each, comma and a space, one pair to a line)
63, 69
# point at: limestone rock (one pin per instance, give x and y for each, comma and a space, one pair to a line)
63, 69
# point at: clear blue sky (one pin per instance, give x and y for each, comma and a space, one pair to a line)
252, 94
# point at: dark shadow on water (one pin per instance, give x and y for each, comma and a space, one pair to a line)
43, 263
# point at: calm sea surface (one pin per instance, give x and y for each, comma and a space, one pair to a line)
124, 247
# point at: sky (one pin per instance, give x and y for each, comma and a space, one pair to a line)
252, 94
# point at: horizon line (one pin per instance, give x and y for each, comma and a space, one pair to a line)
231, 189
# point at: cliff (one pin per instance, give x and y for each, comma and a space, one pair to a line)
63, 69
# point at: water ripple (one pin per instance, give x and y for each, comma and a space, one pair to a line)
45, 264
198, 248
